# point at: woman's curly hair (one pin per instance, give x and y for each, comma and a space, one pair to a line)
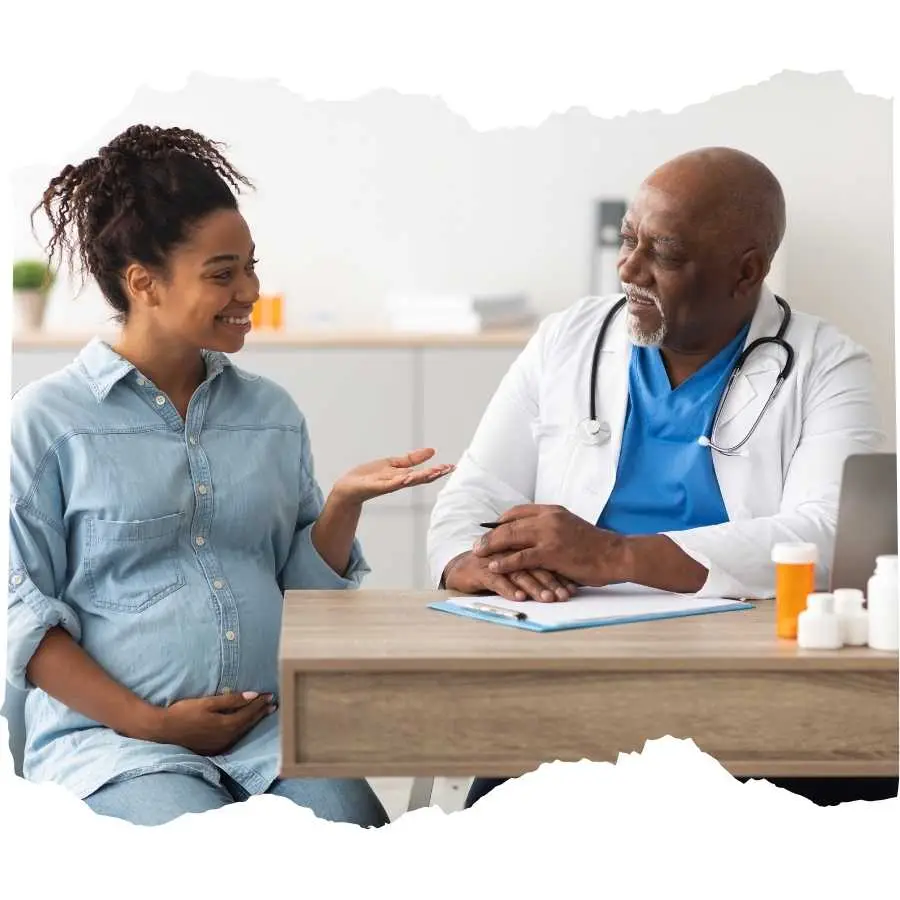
134, 201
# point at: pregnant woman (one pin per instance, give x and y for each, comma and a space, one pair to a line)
162, 501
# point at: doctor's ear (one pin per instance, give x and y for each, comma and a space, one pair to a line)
753, 267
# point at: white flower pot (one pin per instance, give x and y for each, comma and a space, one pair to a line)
30, 309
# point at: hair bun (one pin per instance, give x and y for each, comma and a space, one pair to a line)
150, 142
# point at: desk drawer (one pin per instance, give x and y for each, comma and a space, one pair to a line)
766, 724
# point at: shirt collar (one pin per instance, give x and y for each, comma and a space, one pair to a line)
103, 368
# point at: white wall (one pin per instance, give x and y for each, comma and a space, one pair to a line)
389, 193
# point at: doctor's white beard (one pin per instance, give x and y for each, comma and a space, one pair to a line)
637, 335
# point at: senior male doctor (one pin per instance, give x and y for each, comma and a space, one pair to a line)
637, 491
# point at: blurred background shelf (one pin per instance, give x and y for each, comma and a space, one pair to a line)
50, 341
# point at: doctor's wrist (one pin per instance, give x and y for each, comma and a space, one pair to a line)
442, 584
656, 561
624, 564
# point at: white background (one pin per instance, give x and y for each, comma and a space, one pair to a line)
400, 193
670, 822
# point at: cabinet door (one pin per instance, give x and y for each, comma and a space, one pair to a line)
30, 365
358, 403
388, 538
420, 538
457, 385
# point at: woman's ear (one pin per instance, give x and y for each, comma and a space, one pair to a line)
140, 285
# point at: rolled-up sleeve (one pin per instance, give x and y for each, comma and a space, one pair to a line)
37, 567
305, 570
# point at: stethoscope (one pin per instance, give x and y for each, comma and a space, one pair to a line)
593, 431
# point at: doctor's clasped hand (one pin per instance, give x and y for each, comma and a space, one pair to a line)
544, 537
551, 537
471, 573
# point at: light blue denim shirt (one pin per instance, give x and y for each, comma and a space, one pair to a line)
164, 548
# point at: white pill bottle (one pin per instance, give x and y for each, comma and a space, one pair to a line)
882, 601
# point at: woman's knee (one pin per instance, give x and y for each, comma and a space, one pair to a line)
157, 797
335, 799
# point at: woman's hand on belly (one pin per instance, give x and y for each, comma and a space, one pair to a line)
208, 725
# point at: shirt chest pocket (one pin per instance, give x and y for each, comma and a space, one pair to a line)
132, 565
555, 447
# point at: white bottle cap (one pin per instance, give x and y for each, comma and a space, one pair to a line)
818, 629
885, 564
848, 600
795, 554
854, 620
820, 603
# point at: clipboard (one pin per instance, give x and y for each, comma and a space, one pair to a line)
589, 608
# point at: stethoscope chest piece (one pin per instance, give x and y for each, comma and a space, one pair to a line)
594, 433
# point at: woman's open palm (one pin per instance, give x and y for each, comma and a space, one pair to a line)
384, 476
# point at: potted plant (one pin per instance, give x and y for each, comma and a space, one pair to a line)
32, 281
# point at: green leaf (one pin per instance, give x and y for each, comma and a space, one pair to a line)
32, 275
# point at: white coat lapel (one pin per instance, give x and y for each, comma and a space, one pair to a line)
748, 395
593, 470
756, 375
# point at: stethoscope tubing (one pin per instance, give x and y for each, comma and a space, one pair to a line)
777, 339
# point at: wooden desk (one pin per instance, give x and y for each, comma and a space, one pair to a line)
376, 684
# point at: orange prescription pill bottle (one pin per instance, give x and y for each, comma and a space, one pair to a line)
276, 312
795, 580
258, 313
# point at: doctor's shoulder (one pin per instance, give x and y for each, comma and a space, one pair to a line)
821, 346
835, 376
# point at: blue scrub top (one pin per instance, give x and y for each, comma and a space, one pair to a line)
665, 479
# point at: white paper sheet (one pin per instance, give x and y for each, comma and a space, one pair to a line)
621, 602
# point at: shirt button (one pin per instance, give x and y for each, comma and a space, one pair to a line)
17, 579
218, 584
193, 439
202, 488
226, 691
142, 381
199, 541
160, 400
229, 635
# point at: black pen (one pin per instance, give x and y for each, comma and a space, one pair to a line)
491, 524
500, 611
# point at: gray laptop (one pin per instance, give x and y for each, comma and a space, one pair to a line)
867, 518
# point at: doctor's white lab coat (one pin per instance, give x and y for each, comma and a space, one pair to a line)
528, 449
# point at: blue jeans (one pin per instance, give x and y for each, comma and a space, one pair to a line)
159, 797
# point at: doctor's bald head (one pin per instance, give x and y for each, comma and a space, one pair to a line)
697, 243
